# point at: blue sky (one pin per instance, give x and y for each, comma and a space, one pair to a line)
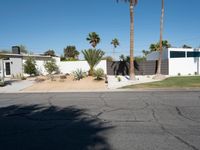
53, 24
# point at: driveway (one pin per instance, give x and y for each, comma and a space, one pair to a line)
14, 86
100, 121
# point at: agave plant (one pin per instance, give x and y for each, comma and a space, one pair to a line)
79, 74
93, 57
99, 74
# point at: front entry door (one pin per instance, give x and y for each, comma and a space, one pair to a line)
7, 64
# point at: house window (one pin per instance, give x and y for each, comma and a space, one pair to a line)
193, 54
177, 54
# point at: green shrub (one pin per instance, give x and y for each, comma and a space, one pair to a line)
39, 79
51, 67
1, 82
18, 76
119, 79
63, 77
99, 74
30, 66
79, 74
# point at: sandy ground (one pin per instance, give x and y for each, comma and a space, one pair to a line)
68, 84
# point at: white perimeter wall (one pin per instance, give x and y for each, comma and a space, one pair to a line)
184, 66
39, 66
70, 66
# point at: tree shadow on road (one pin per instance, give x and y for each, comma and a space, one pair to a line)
36, 127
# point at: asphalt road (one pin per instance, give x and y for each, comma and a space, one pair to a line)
100, 121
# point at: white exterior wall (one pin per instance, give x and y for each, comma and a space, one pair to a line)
1, 68
39, 66
70, 66
184, 66
16, 66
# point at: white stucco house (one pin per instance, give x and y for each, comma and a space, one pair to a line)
12, 64
183, 61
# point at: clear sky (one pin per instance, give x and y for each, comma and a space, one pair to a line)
53, 24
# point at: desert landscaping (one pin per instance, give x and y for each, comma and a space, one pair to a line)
68, 84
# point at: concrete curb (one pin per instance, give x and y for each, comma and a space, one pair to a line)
113, 90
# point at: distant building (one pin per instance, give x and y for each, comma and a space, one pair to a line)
183, 61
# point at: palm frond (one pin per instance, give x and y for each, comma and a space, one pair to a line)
134, 2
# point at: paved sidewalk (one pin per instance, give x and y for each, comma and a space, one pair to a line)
15, 86
114, 83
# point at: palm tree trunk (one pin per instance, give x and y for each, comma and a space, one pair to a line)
131, 69
161, 39
114, 53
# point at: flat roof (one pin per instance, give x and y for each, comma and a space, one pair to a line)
22, 55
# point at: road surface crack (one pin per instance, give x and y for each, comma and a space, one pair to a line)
179, 112
170, 133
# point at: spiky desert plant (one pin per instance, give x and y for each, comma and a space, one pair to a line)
93, 57
79, 74
99, 74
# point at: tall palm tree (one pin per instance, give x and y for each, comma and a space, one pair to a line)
115, 43
93, 39
156, 46
133, 3
161, 39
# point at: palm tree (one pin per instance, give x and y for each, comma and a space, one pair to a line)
93, 39
133, 3
93, 57
115, 43
161, 39
71, 52
156, 46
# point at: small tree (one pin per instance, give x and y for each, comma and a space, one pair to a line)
30, 66
51, 66
108, 58
23, 49
50, 53
93, 57
71, 52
